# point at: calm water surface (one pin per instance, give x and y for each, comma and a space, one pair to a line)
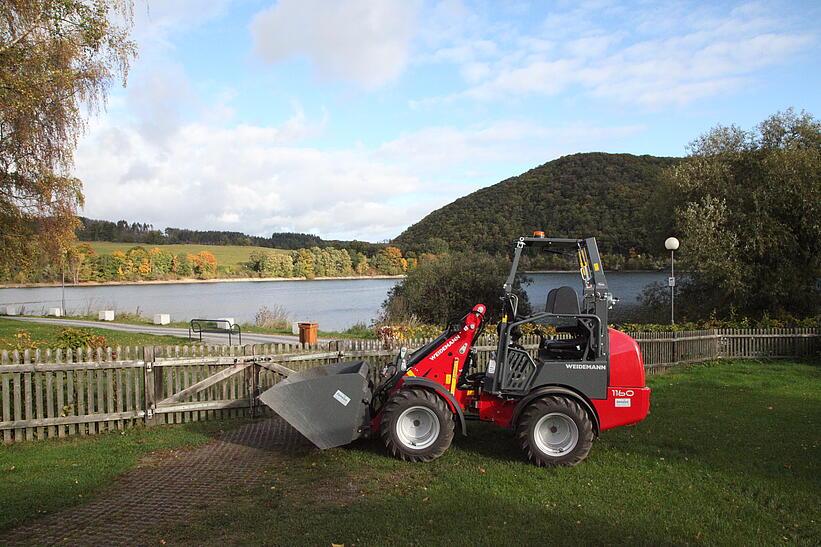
335, 304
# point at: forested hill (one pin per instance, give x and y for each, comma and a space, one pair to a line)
615, 197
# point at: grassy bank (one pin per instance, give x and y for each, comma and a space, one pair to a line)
729, 455
46, 335
40, 477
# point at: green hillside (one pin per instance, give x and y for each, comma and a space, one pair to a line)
614, 197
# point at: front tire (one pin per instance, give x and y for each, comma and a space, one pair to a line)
555, 431
416, 425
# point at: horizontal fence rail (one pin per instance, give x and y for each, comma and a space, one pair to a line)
59, 393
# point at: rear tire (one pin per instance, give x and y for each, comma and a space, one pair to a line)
555, 431
417, 425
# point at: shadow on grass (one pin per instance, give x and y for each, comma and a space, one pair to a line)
483, 439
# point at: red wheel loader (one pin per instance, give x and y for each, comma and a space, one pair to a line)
556, 399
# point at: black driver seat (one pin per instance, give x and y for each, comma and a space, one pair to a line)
564, 301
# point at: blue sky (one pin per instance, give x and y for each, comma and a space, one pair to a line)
355, 118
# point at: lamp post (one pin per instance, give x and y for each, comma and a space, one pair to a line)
671, 244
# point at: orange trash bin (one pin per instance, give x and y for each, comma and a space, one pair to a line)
308, 333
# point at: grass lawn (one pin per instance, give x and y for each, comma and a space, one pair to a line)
226, 255
46, 335
730, 455
43, 476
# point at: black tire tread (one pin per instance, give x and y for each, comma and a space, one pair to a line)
409, 397
539, 408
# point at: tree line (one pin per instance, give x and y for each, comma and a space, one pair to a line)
82, 264
123, 231
330, 262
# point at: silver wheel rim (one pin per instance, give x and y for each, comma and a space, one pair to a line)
417, 427
556, 434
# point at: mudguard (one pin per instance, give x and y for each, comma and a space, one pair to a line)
554, 390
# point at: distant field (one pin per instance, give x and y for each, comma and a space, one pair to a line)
227, 255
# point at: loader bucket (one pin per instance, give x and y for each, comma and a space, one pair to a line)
328, 405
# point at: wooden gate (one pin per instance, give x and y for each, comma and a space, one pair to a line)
179, 388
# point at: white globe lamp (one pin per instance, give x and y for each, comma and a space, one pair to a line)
671, 244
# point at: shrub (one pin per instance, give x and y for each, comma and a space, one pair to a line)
203, 264
407, 331
442, 290
182, 266
737, 323
70, 338
21, 340
360, 330
278, 318
162, 261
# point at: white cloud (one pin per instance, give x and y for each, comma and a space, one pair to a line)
448, 150
357, 40
249, 178
157, 98
672, 54
260, 179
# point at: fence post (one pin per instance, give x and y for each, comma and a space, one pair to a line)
251, 381
675, 347
150, 385
713, 347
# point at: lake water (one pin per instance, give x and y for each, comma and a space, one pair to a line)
334, 304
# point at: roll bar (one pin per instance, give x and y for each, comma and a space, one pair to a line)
587, 253
596, 298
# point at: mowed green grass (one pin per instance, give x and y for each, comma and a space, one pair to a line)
46, 335
226, 255
730, 455
40, 477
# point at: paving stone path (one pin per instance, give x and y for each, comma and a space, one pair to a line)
159, 494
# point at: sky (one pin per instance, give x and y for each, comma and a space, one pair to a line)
353, 119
